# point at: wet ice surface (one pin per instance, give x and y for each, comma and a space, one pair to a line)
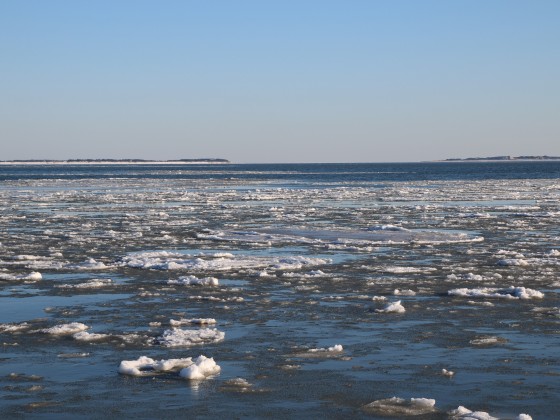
266, 278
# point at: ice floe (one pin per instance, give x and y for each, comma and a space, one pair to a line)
14, 328
191, 321
372, 235
90, 284
88, 264
86, 336
337, 348
200, 368
164, 260
65, 329
395, 307
487, 341
185, 338
193, 280
511, 292
33, 276
401, 407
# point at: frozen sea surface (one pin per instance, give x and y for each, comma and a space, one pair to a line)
319, 291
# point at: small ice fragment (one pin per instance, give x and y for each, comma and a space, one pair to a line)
447, 373
407, 292
394, 307
334, 349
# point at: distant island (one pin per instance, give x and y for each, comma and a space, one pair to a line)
113, 162
545, 157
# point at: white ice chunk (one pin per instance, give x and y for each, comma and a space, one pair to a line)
466, 414
65, 329
400, 407
192, 280
394, 307
136, 367
33, 276
337, 348
202, 368
183, 338
511, 292
85, 336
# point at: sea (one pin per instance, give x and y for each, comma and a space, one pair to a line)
383, 290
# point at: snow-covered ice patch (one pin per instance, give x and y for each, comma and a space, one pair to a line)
511, 292
408, 292
184, 338
86, 336
33, 276
65, 329
201, 368
90, 284
193, 280
217, 262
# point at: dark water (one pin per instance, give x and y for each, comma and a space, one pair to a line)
319, 172
306, 257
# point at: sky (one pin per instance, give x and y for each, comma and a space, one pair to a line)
279, 80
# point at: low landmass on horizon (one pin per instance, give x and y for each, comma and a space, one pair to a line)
112, 161
545, 157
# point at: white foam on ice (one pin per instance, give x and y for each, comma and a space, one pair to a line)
511, 292
395, 307
65, 329
185, 338
193, 280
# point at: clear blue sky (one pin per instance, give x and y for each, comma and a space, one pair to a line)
279, 81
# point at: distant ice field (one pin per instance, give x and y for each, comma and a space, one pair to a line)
286, 291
